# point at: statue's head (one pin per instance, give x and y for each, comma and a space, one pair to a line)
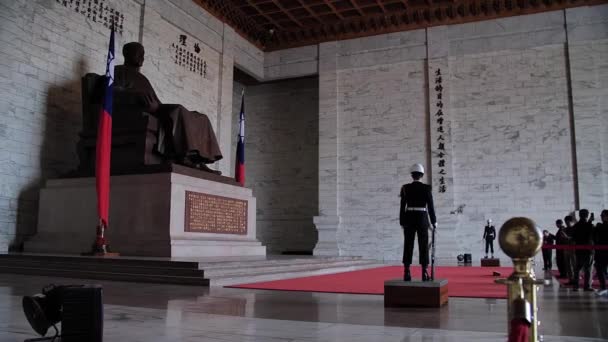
134, 54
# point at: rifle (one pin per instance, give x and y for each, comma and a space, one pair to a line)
433, 253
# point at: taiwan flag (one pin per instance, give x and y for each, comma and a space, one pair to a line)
104, 141
239, 169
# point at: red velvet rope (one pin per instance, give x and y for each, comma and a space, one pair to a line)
579, 247
520, 330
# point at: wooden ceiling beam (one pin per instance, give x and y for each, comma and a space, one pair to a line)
379, 2
379, 20
333, 8
283, 9
265, 15
356, 6
312, 13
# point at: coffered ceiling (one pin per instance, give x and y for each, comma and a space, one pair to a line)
279, 24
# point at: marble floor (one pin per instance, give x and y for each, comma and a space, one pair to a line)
152, 312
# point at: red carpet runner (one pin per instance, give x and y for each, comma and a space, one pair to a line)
469, 282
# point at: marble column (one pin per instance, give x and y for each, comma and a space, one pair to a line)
328, 221
224, 105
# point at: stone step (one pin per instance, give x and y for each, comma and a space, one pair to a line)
271, 269
210, 265
271, 263
148, 270
235, 280
131, 268
185, 272
92, 260
84, 274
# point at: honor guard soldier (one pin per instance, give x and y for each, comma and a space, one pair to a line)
489, 234
414, 213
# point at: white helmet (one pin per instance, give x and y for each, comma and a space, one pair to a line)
417, 168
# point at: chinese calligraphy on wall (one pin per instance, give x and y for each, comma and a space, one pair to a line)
97, 11
439, 117
188, 56
215, 214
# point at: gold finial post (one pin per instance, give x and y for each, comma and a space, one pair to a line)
521, 239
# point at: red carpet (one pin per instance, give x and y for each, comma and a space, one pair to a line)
470, 282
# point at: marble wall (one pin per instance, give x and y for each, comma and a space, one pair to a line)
511, 137
525, 119
514, 143
281, 159
45, 48
588, 58
48, 46
382, 132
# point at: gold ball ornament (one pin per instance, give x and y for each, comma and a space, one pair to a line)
520, 238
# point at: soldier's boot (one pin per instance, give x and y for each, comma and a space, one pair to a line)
407, 276
425, 274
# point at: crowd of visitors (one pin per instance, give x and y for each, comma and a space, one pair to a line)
578, 245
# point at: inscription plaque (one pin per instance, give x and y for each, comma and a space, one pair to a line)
215, 214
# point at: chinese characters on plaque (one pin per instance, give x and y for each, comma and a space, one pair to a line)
215, 214
439, 117
187, 55
97, 11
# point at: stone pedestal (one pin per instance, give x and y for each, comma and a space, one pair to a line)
399, 293
150, 215
490, 262
327, 229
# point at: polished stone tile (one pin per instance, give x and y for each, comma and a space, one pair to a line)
153, 312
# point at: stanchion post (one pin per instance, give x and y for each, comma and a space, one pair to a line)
520, 239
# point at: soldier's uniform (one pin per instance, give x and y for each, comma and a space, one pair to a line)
416, 208
489, 234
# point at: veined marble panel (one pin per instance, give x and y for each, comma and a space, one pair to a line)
511, 138
382, 132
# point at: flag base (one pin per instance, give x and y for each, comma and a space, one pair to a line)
100, 246
101, 254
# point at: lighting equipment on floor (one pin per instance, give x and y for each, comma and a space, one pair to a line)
79, 308
465, 258
468, 258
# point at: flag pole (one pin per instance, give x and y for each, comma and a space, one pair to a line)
102, 161
239, 169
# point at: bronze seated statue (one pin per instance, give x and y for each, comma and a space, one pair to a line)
144, 130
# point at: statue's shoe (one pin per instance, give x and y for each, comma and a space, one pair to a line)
204, 167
